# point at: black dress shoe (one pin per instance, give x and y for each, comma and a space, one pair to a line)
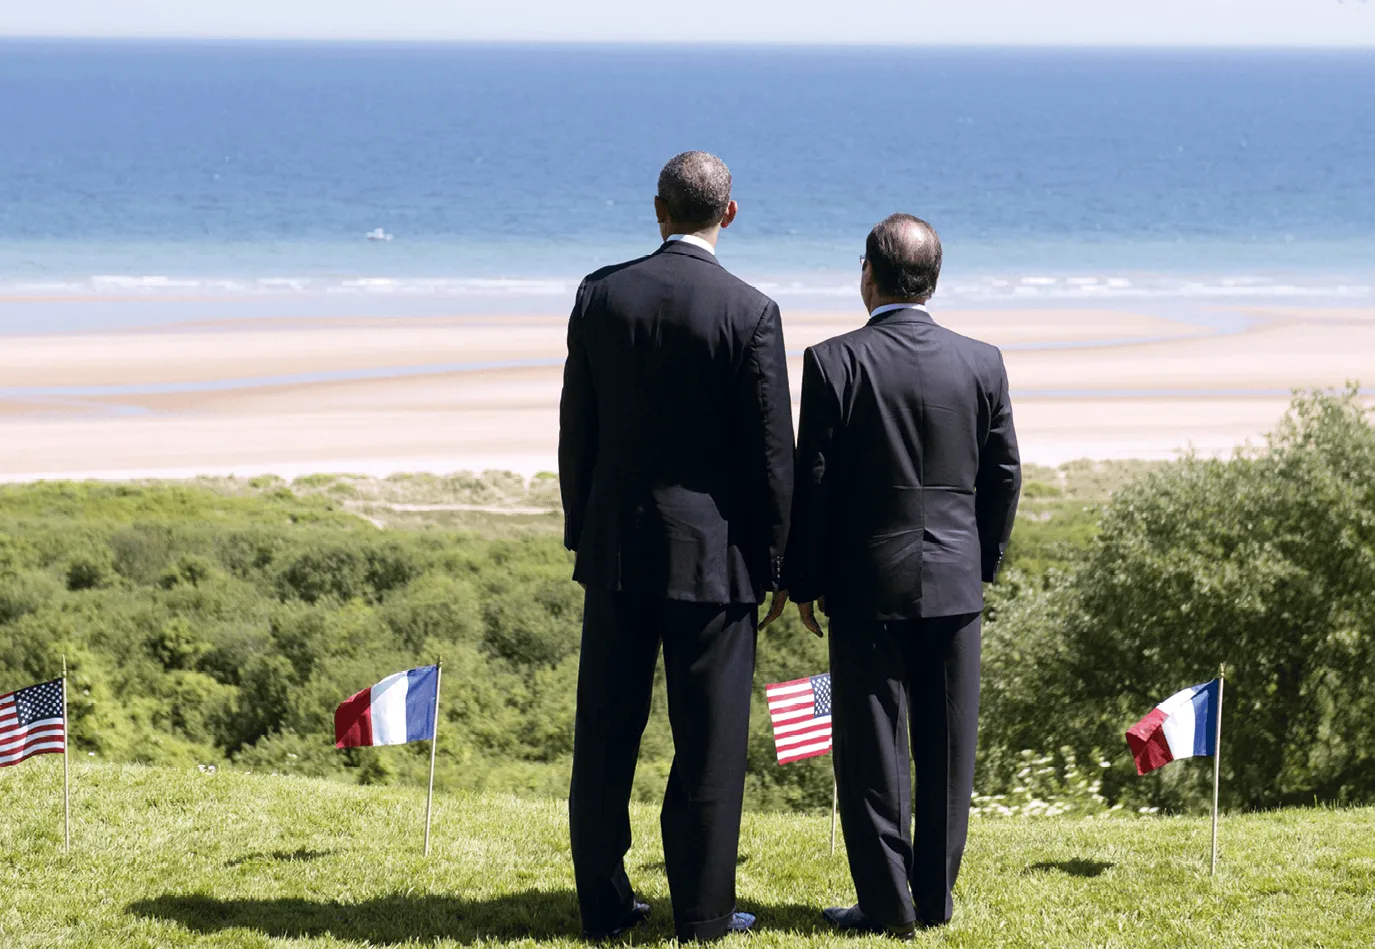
638, 913
853, 920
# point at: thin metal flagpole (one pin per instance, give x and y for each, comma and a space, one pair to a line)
1217, 761
434, 744
835, 801
66, 766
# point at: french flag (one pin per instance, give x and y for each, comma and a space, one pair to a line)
1182, 726
398, 709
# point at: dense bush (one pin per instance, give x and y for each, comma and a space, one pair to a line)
224, 628
1265, 562
201, 629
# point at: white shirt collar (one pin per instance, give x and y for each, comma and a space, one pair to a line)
889, 308
695, 241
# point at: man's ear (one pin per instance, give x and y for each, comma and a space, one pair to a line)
660, 210
729, 216
866, 280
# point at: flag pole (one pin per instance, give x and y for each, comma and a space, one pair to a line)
1217, 760
835, 800
66, 766
434, 744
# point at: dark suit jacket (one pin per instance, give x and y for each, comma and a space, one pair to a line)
908, 473
675, 431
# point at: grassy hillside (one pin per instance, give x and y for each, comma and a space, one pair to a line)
167, 857
221, 620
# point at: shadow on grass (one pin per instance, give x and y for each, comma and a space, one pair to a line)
278, 856
1075, 868
531, 914
790, 918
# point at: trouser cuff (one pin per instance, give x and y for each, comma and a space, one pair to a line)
890, 921
704, 930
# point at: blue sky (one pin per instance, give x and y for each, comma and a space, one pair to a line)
1047, 22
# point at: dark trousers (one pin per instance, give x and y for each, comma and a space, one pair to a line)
709, 665
899, 685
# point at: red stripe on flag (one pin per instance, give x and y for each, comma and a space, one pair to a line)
789, 759
10, 740
20, 746
1147, 742
786, 742
39, 746
783, 730
787, 689
353, 721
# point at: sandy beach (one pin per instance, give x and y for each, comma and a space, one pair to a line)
375, 395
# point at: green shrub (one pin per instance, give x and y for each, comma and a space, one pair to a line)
25, 593
89, 572
176, 647
1266, 563
355, 571
189, 570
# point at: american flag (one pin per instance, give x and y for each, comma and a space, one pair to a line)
801, 713
31, 723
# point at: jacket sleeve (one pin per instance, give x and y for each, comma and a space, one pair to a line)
999, 482
804, 569
577, 429
763, 407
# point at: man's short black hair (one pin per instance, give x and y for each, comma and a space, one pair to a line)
904, 256
696, 188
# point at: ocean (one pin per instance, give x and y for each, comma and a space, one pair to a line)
501, 174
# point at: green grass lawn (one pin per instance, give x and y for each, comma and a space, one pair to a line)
179, 858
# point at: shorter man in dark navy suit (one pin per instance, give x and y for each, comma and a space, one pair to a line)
907, 485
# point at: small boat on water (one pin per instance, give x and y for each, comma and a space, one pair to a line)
377, 234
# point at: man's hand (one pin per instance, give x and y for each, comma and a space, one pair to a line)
809, 618
780, 600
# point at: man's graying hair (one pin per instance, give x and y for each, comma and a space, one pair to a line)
904, 256
696, 188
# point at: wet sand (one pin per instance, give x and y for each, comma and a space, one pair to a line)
374, 396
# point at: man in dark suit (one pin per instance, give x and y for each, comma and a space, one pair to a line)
675, 461
908, 478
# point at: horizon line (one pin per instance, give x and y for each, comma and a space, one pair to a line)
360, 40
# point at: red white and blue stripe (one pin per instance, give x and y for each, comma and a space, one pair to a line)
398, 709
801, 714
1182, 726
32, 723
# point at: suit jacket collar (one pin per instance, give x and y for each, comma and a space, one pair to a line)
896, 317
689, 250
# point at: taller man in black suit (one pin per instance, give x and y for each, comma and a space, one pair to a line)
908, 478
676, 464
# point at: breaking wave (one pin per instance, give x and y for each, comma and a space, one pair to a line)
956, 288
